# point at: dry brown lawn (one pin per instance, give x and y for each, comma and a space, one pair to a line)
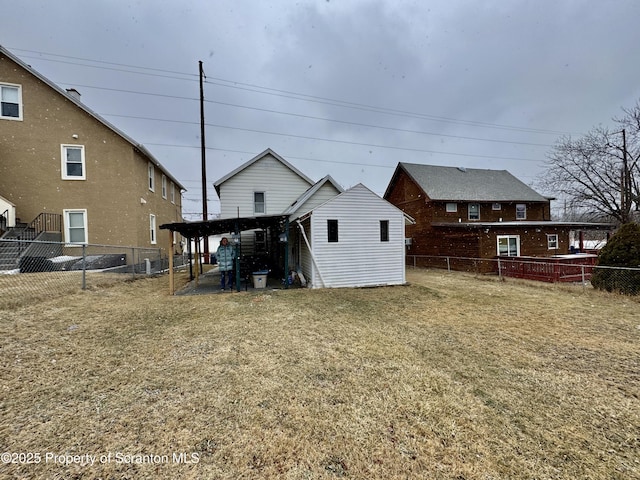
451, 377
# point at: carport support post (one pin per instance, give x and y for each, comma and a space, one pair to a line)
286, 253
170, 250
236, 248
84, 266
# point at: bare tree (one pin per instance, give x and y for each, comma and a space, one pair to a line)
598, 173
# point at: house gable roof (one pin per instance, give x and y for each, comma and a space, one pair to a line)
136, 145
467, 184
255, 159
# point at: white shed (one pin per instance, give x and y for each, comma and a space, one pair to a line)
355, 239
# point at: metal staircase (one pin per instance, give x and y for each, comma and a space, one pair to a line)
19, 239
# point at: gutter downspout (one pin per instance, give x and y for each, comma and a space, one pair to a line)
313, 257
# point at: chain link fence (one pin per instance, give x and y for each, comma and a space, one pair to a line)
575, 269
35, 270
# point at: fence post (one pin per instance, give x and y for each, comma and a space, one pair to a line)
583, 279
84, 266
133, 263
448, 265
499, 269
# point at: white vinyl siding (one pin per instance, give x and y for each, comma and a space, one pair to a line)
359, 258
280, 185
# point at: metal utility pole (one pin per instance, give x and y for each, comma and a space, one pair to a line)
205, 212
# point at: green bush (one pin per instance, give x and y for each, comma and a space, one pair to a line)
622, 250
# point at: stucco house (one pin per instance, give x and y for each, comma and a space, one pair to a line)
477, 213
283, 221
67, 173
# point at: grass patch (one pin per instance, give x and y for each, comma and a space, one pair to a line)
449, 377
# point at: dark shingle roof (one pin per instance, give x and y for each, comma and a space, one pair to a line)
470, 184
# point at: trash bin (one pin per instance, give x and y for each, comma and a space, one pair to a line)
260, 279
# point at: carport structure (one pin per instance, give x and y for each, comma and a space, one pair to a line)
278, 226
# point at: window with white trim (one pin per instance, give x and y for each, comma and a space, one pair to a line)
151, 174
73, 164
451, 207
172, 192
509, 245
164, 187
496, 206
75, 226
474, 211
10, 101
259, 204
552, 241
152, 229
521, 211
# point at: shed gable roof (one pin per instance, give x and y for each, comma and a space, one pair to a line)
302, 199
136, 145
467, 184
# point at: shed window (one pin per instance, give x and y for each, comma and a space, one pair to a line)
332, 230
384, 230
521, 211
258, 202
452, 207
474, 211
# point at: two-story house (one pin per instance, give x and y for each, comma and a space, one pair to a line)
477, 213
68, 172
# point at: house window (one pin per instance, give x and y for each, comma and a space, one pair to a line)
509, 245
172, 192
384, 230
521, 211
152, 229
164, 186
474, 211
552, 241
452, 207
75, 226
332, 230
73, 162
496, 206
11, 100
151, 174
258, 202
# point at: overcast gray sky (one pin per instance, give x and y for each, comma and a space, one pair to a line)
341, 87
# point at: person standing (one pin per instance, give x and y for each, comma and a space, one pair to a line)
226, 255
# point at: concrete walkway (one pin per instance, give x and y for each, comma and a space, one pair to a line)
209, 283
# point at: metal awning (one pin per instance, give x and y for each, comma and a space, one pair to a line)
224, 225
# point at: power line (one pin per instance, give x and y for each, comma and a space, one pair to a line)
293, 95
